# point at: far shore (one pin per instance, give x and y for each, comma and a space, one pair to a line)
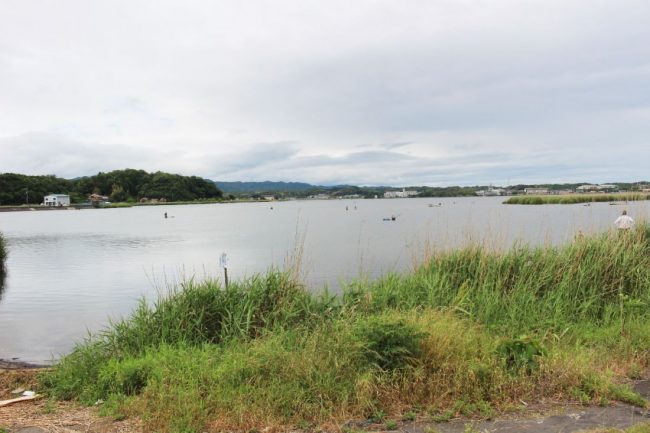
29, 208
33, 208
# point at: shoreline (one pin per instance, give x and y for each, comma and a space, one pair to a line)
36, 208
6, 364
39, 208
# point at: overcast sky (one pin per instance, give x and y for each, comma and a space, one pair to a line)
435, 92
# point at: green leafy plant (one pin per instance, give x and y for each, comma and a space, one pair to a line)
520, 354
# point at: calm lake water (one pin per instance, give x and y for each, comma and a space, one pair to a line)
70, 271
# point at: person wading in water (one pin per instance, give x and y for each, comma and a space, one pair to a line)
624, 222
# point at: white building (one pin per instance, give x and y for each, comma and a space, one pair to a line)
400, 194
596, 188
56, 200
587, 188
490, 192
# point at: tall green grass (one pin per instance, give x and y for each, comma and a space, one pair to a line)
575, 198
470, 331
598, 280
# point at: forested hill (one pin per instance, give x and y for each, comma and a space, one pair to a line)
262, 187
118, 185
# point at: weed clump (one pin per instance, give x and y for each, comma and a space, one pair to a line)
390, 345
520, 354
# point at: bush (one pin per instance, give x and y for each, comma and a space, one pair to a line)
389, 344
127, 377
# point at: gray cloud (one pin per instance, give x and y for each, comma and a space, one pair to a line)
259, 156
415, 92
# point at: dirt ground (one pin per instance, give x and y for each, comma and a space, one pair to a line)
42, 415
45, 416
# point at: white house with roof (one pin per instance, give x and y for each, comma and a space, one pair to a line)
56, 200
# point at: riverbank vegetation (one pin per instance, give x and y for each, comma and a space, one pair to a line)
576, 198
469, 332
119, 186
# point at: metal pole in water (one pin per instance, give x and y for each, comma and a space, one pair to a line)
223, 262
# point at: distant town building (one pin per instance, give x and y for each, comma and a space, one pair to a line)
321, 196
400, 194
536, 191
56, 200
490, 192
587, 188
596, 188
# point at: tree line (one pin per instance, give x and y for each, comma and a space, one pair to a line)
127, 185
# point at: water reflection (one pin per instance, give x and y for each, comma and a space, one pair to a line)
3, 265
3, 277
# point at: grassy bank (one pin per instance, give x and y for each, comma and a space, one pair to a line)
576, 198
469, 332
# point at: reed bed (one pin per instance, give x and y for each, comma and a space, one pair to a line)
576, 198
470, 332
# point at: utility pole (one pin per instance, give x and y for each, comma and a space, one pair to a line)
27, 195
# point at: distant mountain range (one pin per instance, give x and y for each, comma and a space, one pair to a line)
266, 186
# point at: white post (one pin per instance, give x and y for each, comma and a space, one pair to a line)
223, 262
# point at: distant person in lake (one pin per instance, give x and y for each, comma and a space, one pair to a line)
624, 222
165, 214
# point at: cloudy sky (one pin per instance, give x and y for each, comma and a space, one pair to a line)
435, 92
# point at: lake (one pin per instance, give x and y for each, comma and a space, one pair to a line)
70, 271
